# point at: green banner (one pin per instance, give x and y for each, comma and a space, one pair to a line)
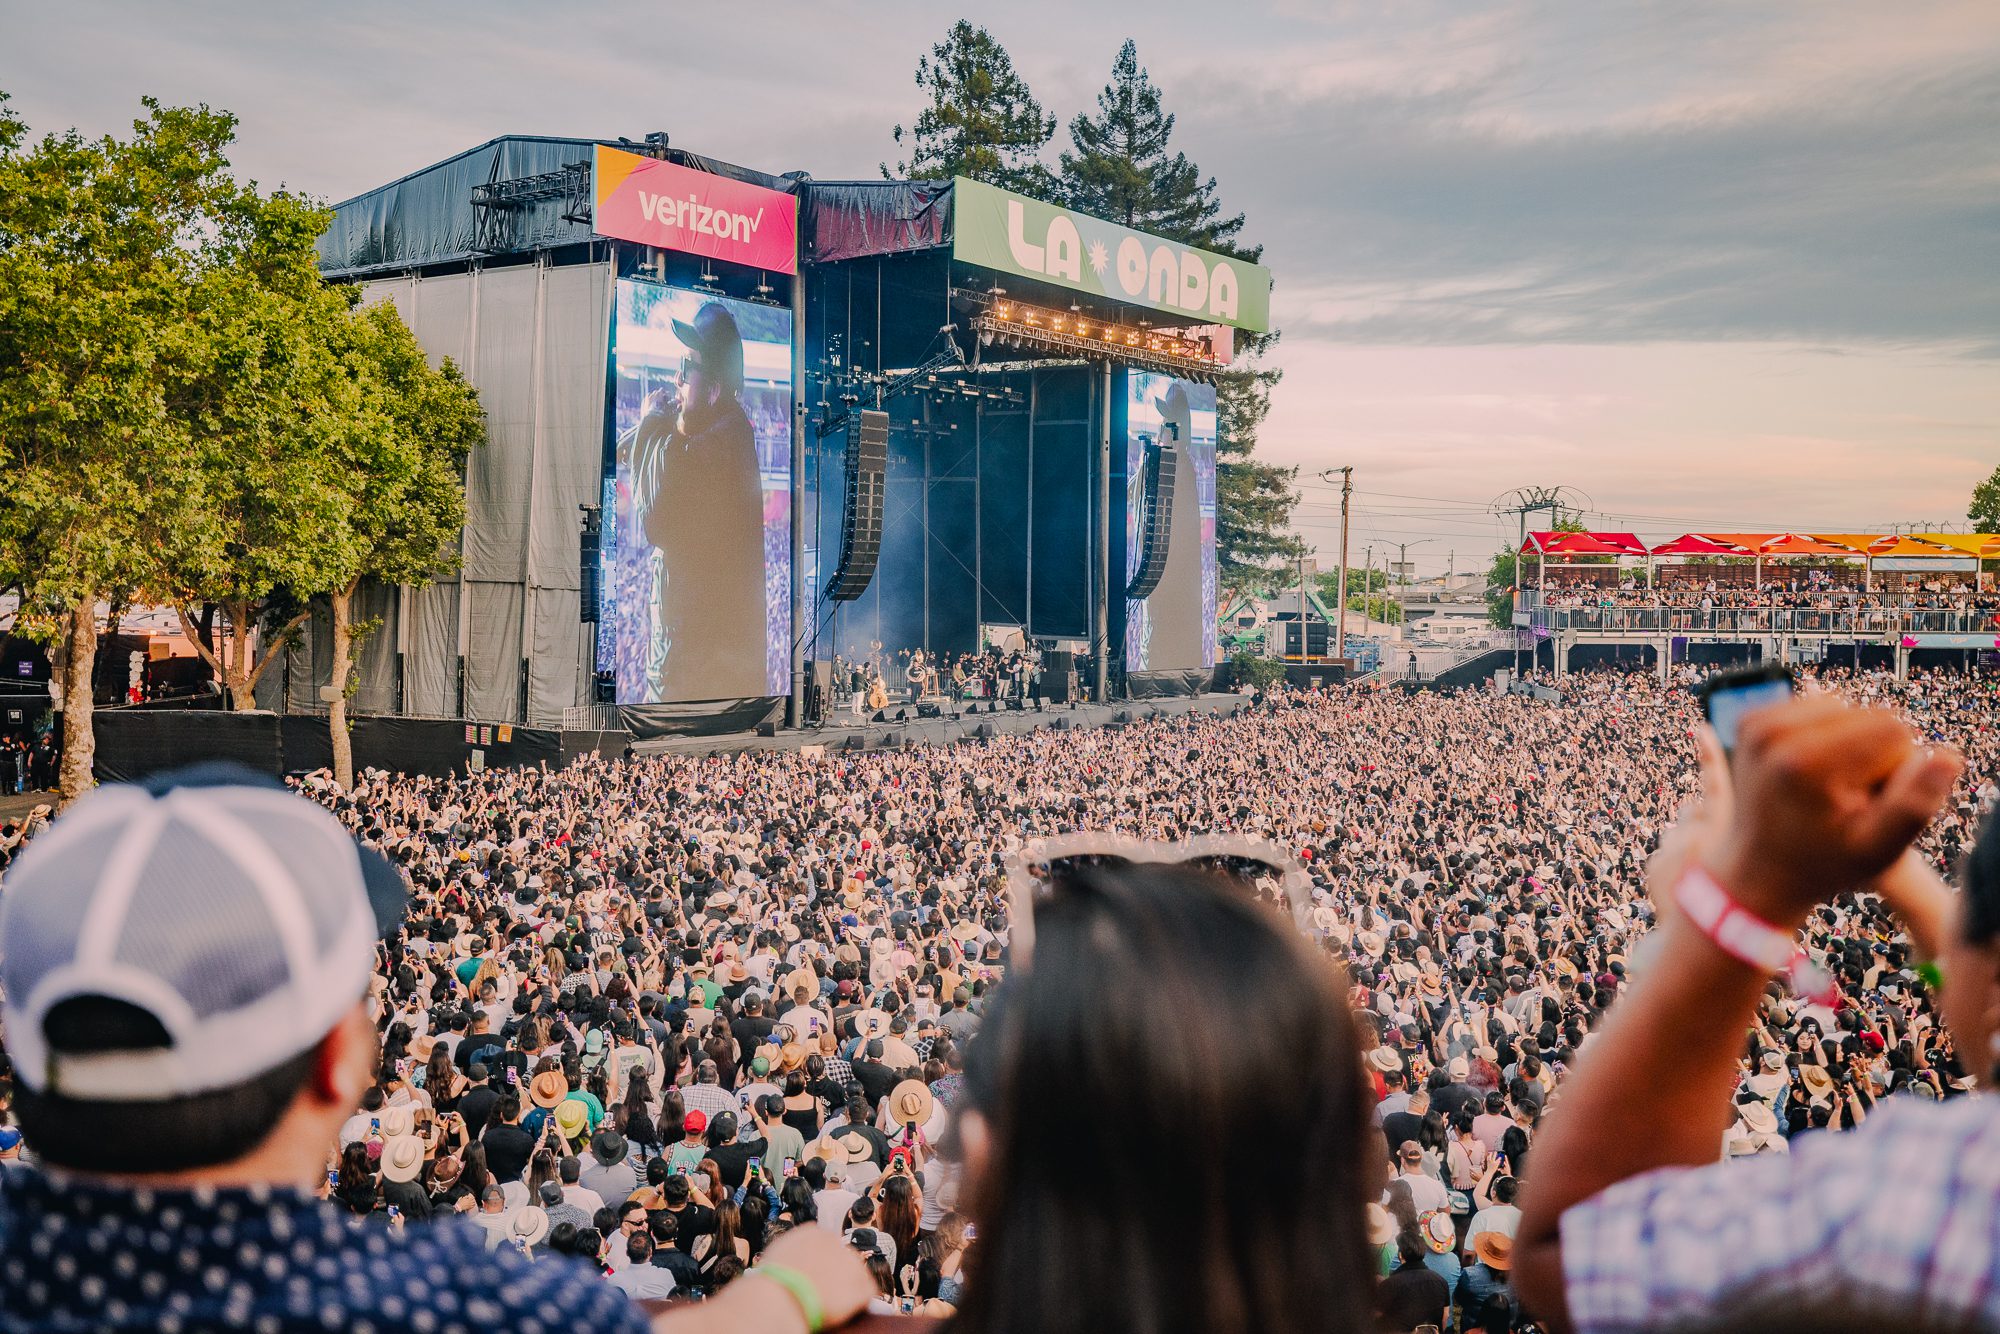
998, 229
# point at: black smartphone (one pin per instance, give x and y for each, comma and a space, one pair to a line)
1727, 696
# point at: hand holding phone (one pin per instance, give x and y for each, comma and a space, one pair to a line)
1727, 696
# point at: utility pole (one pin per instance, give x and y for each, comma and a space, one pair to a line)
1368, 581
1340, 611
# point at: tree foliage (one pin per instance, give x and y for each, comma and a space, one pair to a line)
189, 415
402, 460
980, 121
1253, 500
1984, 511
1122, 168
104, 245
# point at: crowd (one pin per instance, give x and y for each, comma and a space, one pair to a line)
1817, 591
648, 1016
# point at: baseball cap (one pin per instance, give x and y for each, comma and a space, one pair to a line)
696, 1121
239, 916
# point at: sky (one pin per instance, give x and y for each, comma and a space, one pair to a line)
1705, 264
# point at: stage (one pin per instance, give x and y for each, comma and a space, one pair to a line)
891, 735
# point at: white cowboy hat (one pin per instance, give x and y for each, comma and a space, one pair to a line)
403, 1158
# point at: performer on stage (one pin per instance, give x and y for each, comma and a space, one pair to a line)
695, 494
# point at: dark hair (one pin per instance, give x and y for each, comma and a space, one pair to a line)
162, 1135
1124, 1245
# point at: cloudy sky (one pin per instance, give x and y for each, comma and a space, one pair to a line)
1710, 264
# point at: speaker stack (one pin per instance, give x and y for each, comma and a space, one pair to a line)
861, 522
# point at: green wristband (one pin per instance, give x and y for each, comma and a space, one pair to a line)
802, 1290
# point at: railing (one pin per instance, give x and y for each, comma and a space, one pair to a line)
590, 718
1863, 622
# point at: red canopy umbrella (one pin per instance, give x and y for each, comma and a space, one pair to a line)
1584, 544
1698, 544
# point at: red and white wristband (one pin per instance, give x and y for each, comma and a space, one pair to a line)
1746, 937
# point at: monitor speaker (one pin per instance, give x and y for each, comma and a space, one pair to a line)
767, 730
861, 521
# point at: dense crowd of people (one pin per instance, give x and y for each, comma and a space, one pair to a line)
649, 1015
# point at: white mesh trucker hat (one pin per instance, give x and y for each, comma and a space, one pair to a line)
240, 916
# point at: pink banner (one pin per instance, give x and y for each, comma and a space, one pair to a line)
662, 204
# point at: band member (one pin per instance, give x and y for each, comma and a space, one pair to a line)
696, 498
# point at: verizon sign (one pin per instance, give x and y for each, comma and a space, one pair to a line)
673, 207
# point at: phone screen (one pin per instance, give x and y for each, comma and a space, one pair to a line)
1728, 705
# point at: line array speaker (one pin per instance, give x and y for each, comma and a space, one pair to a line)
861, 520
1157, 527
590, 591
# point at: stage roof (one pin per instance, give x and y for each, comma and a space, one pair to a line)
428, 216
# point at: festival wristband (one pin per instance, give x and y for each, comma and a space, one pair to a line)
802, 1290
1744, 936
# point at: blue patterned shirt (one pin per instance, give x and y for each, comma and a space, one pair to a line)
77, 1254
1898, 1220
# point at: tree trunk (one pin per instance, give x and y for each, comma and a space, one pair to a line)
242, 686
79, 757
336, 707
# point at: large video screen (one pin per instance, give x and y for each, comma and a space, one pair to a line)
697, 522
1175, 627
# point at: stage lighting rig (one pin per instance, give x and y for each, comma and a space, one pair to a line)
1018, 324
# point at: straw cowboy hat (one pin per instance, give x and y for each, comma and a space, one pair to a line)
1818, 1083
965, 932
529, 1225
1758, 1118
791, 1056
1385, 1059
572, 1118
910, 1103
1370, 943
835, 1150
871, 1023
398, 1119
548, 1088
402, 1158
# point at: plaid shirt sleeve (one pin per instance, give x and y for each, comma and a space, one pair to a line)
1901, 1216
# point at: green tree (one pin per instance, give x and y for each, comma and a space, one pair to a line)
269, 409
101, 245
403, 459
1253, 500
1984, 511
981, 120
1122, 169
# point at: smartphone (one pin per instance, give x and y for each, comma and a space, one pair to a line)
971, 1232
512, 1076
791, 1168
375, 1123
333, 1178
394, 1213
1727, 697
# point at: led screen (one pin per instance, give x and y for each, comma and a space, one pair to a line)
1175, 627
697, 530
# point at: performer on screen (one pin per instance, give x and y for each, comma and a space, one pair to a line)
697, 498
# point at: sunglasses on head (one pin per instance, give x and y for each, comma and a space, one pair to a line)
1039, 870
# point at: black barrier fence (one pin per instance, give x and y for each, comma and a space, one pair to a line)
1165, 684
713, 717
134, 743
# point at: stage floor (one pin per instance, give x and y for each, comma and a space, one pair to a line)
848, 735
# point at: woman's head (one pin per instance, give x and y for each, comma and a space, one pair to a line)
1165, 1009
